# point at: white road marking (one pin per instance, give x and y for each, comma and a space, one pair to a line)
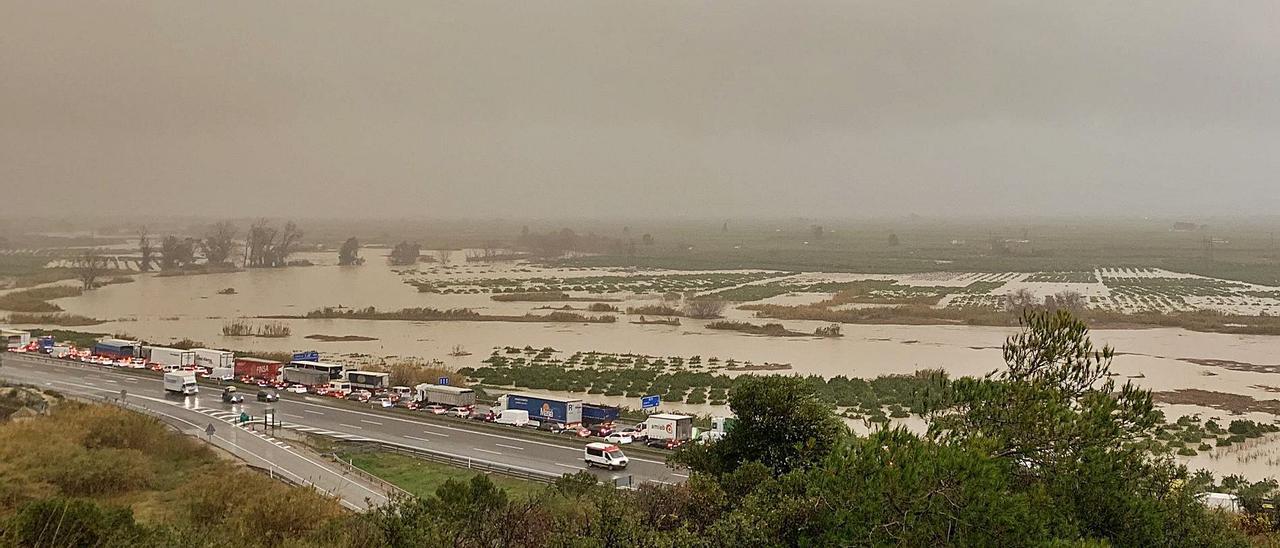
312, 412
568, 466
416, 438
435, 433
350, 426
510, 447
486, 451
371, 422
131, 380
292, 416
680, 475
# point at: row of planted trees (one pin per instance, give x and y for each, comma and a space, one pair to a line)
264, 245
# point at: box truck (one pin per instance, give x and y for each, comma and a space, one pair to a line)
306, 377
15, 338
170, 358
451, 396
258, 368
566, 411
181, 382
668, 430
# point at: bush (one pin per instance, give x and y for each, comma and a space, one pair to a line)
71, 522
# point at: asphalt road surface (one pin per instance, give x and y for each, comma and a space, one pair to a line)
325, 416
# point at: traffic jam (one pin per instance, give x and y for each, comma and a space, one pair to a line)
306, 374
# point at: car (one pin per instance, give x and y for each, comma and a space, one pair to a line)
460, 412
385, 402
354, 396
634, 433
600, 430
619, 439
268, 395
299, 389
229, 395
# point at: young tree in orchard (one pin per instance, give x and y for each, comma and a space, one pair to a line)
349, 253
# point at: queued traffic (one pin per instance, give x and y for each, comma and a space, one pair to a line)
306, 374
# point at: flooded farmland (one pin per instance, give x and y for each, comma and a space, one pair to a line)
175, 307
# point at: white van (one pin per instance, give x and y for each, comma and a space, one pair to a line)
514, 417
605, 455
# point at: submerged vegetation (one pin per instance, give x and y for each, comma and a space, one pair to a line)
452, 314
35, 300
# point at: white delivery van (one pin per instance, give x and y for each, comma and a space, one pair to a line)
605, 455
514, 417
181, 382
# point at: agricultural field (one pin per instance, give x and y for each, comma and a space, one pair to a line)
594, 284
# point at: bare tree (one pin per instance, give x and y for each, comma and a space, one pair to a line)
1065, 300
289, 241
219, 243
90, 266
703, 308
443, 256
268, 247
1019, 301
146, 249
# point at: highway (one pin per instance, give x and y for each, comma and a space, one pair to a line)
328, 417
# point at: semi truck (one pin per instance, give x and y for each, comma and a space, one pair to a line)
117, 349
593, 414
15, 338
719, 427
451, 396
668, 430
181, 382
170, 358
566, 411
257, 368
306, 377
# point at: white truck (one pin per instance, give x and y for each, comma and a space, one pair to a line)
220, 363
667, 430
181, 382
171, 359
719, 427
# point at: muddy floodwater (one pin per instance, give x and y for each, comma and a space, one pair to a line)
161, 308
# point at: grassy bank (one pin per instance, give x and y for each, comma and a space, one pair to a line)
769, 329
60, 319
36, 300
423, 477
99, 475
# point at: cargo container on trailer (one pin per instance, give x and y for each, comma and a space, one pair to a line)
117, 349
307, 377
170, 357
369, 380
257, 368
334, 370
445, 395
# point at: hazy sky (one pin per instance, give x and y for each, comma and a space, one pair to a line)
532, 108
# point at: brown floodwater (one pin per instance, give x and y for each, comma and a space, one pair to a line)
161, 308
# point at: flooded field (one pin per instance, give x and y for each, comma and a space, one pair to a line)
198, 306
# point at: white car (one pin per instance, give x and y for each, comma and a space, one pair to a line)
619, 438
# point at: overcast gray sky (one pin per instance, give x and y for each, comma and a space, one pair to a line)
533, 108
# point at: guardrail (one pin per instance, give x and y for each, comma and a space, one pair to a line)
461, 461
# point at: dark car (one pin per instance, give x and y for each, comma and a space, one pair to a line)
600, 430
229, 395
268, 395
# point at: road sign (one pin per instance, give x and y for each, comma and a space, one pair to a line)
308, 356
444, 381
208, 431
650, 402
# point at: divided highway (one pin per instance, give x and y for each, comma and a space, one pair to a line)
325, 416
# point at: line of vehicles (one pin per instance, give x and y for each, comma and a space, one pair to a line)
562, 415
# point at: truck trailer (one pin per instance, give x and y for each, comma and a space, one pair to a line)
334, 370
369, 380
170, 357
181, 382
257, 368
214, 360
15, 338
593, 414
566, 411
306, 377
452, 396
117, 349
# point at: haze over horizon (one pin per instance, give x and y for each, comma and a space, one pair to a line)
580, 109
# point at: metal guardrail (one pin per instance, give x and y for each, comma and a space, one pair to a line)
462, 461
